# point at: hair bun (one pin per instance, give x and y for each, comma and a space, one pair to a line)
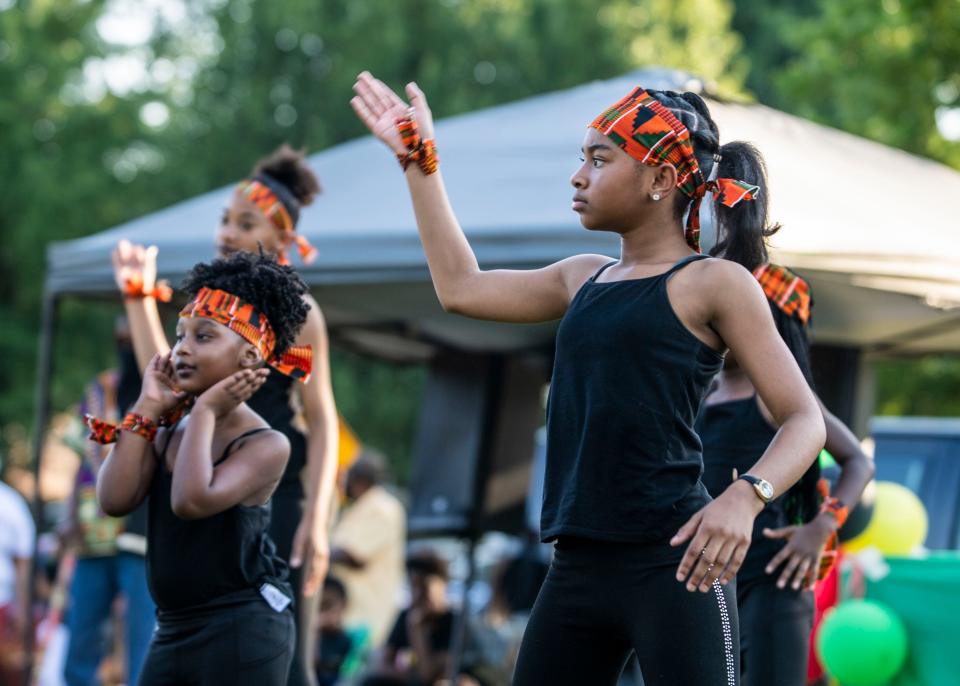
289, 167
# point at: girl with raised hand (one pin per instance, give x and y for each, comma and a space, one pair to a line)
645, 560
262, 213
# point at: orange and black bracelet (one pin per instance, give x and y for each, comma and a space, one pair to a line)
423, 152
835, 507
140, 425
133, 290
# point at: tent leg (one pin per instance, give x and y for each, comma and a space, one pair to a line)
41, 419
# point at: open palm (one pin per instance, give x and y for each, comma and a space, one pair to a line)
135, 264
379, 108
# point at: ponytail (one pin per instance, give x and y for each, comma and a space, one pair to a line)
742, 230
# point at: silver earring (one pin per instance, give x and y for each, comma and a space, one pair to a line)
656, 196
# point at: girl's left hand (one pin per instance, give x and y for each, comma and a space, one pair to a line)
226, 394
720, 534
802, 553
311, 550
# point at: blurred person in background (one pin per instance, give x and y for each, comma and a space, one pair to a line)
110, 552
368, 548
417, 652
17, 533
334, 644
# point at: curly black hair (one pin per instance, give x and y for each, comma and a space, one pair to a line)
288, 167
275, 290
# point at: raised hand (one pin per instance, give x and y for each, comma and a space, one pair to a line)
226, 394
159, 392
134, 263
379, 108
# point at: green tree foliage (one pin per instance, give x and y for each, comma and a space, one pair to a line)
234, 78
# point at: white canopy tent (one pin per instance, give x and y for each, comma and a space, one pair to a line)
871, 227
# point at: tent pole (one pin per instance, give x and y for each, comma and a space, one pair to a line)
41, 419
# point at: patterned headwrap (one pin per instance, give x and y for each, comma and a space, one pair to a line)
786, 290
282, 209
243, 319
647, 131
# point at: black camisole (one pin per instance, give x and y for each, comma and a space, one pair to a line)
623, 460
197, 563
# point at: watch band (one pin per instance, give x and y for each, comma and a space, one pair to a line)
760, 487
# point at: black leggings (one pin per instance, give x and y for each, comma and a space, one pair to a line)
775, 630
601, 601
244, 645
286, 510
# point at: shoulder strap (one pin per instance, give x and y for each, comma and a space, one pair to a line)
602, 270
171, 431
246, 434
683, 263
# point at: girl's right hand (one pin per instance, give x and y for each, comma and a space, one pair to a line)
134, 263
159, 392
379, 108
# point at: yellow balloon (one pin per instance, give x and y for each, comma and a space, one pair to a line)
898, 525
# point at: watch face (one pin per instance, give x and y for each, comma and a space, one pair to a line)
766, 489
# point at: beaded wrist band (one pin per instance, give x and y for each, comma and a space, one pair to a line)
423, 152
835, 507
133, 290
140, 425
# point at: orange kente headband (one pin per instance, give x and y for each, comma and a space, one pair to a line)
279, 206
647, 131
244, 320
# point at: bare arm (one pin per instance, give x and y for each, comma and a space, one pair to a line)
856, 469
503, 295
311, 540
146, 329
720, 533
124, 477
201, 490
744, 322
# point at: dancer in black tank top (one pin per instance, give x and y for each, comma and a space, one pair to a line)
263, 212
774, 585
644, 560
224, 605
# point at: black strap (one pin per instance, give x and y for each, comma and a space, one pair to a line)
683, 263
226, 451
603, 269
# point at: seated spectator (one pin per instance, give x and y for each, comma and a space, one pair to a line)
418, 649
16, 551
366, 549
333, 643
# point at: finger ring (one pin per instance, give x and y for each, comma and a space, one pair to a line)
703, 552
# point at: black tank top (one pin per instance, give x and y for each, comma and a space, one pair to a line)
273, 403
202, 562
623, 461
735, 434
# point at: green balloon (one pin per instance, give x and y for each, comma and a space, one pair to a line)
862, 643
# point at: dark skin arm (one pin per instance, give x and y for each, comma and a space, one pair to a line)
124, 477
805, 544
201, 490
729, 300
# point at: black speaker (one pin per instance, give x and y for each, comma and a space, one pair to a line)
475, 444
